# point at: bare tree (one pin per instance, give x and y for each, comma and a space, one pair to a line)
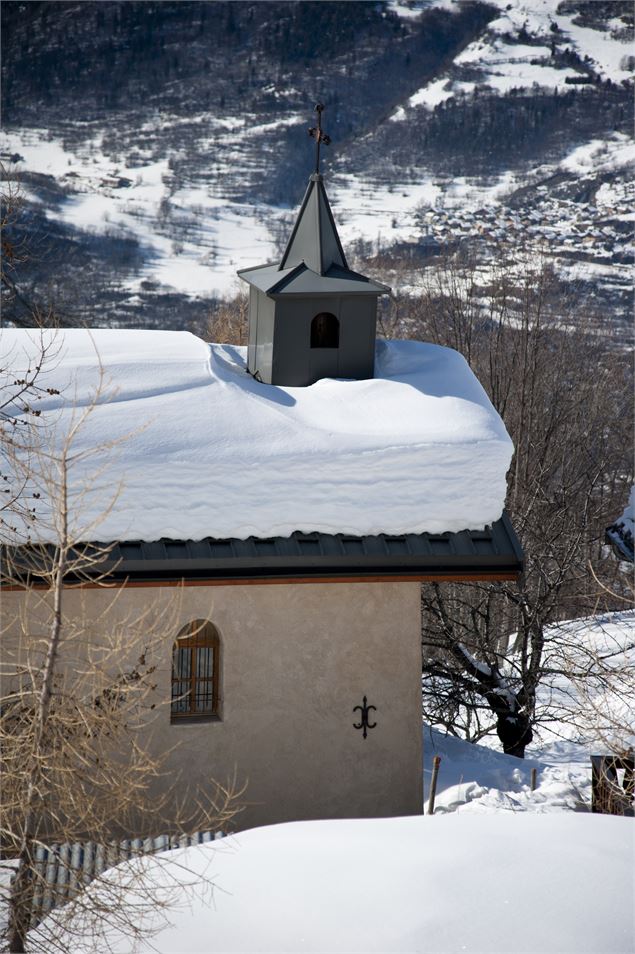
590, 674
227, 321
80, 708
564, 396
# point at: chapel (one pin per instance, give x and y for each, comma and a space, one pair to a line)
294, 495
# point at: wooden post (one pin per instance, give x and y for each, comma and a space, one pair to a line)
533, 779
436, 762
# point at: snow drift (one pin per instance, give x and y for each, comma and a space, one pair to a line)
503, 883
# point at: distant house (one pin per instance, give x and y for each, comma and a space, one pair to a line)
298, 493
620, 534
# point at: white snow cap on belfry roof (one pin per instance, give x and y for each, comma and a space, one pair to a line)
207, 451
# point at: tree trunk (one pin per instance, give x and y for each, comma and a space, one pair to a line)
21, 896
515, 733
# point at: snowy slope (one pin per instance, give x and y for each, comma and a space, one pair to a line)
202, 449
188, 186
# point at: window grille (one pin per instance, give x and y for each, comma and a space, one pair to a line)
195, 672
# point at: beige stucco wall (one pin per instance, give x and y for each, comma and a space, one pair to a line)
296, 659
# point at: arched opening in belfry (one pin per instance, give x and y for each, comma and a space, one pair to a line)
325, 331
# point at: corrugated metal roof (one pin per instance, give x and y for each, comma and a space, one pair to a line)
494, 553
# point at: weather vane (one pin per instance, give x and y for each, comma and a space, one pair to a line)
319, 135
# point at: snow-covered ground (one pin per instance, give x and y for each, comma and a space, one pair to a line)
114, 198
505, 883
583, 702
202, 449
607, 51
499, 869
208, 236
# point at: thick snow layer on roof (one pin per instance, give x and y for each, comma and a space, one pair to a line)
202, 449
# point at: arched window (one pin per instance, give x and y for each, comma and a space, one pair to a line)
196, 672
325, 331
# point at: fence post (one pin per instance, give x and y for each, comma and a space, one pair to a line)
436, 762
533, 779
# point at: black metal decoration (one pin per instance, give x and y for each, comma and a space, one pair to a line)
364, 723
319, 135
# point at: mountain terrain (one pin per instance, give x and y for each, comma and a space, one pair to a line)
153, 148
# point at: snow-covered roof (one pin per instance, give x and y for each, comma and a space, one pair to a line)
204, 450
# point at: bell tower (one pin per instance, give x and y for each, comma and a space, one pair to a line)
310, 315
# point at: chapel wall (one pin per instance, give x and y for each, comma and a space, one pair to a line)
296, 659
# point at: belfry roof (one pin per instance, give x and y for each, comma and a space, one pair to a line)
301, 280
314, 240
313, 262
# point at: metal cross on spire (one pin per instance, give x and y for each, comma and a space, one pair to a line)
319, 135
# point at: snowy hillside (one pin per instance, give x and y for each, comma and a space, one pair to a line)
484, 128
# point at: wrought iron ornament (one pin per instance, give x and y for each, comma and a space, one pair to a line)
319, 135
364, 723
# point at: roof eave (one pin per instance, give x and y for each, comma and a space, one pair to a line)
321, 294
466, 556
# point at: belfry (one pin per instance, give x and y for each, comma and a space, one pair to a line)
310, 315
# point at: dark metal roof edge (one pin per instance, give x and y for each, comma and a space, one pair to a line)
322, 294
279, 288
506, 523
329, 212
280, 283
256, 268
386, 288
493, 551
318, 573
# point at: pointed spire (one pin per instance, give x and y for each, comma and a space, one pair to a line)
314, 239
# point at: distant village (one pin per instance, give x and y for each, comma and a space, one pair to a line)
578, 226
574, 232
